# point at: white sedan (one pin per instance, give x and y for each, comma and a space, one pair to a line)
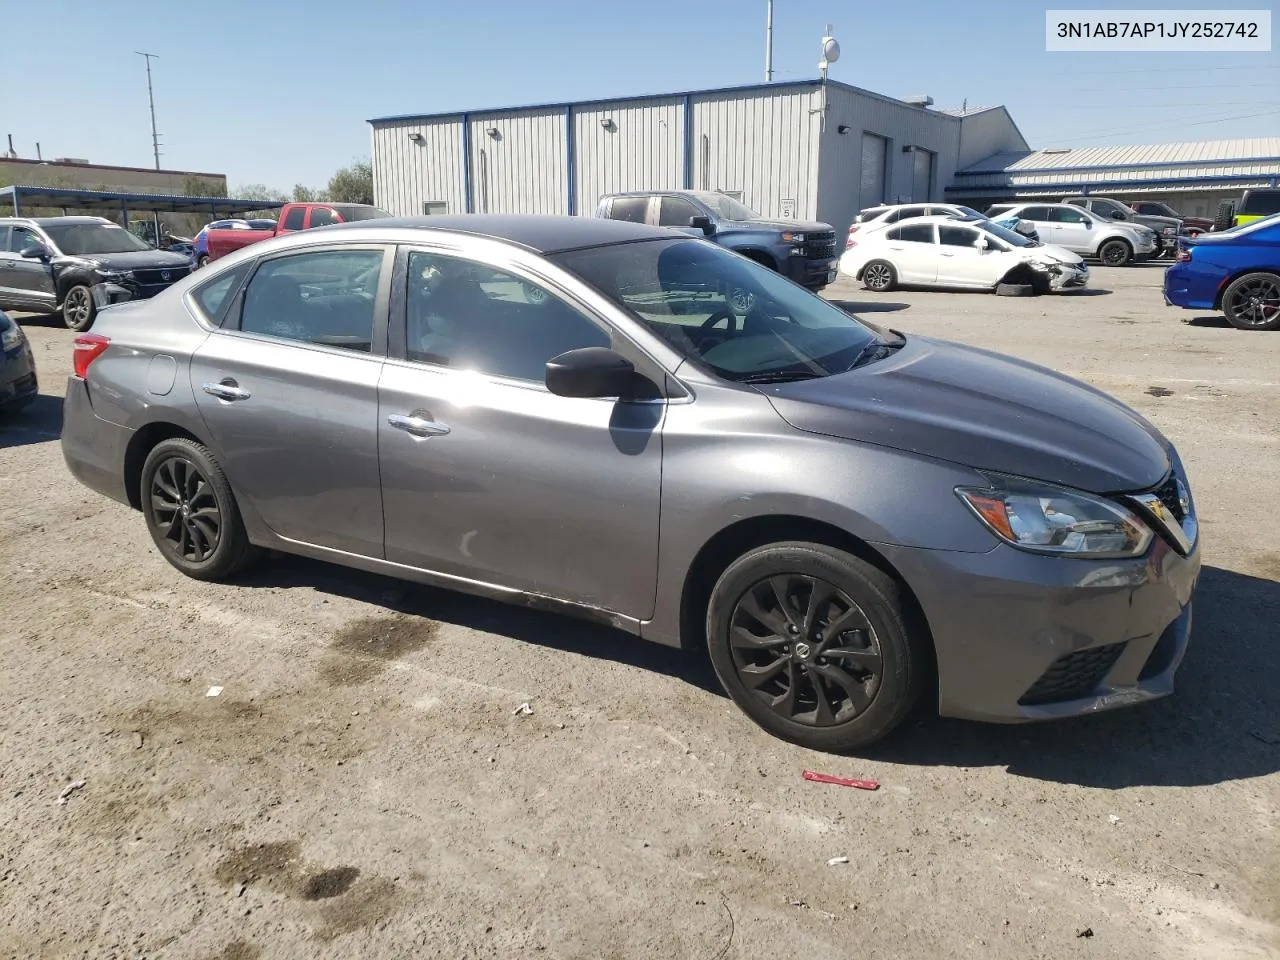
961, 253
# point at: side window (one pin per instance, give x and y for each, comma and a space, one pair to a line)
1035, 214
4, 239
293, 219
322, 217
325, 297
914, 233
472, 317
957, 236
676, 212
631, 209
908, 212
20, 238
215, 294
1063, 215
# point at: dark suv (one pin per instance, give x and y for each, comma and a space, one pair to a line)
802, 251
76, 265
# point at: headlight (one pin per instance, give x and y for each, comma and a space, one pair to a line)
793, 238
1044, 518
11, 336
107, 274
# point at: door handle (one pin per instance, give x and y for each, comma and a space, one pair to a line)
418, 426
225, 390
947, 254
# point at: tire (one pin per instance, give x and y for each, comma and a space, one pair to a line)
203, 545
879, 275
1015, 290
1252, 302
78, 308
1115, 253
882, 648
1226, 213
202, 261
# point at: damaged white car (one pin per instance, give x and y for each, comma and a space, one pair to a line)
966, 253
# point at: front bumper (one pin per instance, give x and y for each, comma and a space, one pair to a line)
813, 274
1021, 637
18, 382
1068, 277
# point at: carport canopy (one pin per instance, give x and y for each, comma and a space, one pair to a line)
152, 203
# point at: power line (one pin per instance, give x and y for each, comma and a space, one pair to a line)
1199, 86
1178, 104
1197, 121
1181, 70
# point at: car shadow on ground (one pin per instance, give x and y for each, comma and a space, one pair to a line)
869, 306
1221, 724
1212, 320
1087, 292
544, 628
38, 422
51, 320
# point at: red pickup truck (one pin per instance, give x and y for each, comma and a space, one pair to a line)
293, 216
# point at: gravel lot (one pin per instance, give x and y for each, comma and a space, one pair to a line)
361, 787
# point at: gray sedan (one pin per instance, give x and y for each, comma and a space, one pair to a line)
571, 412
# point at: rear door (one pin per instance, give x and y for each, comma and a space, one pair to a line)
288, 389
322, 217
1036, 215
914, 251
487, 475
629, 209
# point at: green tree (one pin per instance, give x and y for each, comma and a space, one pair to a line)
353, 184
305, 194
258, 191
202, 187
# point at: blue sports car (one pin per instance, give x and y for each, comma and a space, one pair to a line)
1236, 271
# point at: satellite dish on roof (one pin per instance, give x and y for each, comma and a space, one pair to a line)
830, 49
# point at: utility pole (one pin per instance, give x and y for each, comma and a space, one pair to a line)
151, 97
768, 45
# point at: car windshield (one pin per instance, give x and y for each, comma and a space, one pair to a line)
83, 239
740, 320
726, 208
351, 212
1011, 237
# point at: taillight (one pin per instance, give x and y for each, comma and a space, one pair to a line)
849, 241
1184, 255
88, 347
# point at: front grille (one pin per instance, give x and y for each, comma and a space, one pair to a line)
1073, 676
1168, 494
155, 278
820, 246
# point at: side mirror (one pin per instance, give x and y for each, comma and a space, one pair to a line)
593, 372
1117, 215
37, 251
704, 224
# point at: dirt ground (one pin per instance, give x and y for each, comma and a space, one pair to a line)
362, 787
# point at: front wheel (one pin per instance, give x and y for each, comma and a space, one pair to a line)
202, 261
1252, 302
1115, 253
815, 645
78, 308
192, 513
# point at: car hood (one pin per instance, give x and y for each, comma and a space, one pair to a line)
138, 260
1050, 251
795, 226
1151, 220
983, 410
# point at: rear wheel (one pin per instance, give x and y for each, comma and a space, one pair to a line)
78, 308
192, 513
815, 645
202, 261
879, 275
1115, 253
1252, 302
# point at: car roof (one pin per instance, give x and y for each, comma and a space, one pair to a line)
54, 221
542, 234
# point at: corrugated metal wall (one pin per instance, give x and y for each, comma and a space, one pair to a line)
641, 149
522, 166
764, 145
407, 174
840, 176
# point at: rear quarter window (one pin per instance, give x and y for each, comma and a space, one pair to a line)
215, 295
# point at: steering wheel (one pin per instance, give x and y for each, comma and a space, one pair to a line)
721, 313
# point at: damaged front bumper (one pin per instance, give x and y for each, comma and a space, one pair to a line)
105, 294
1063, 276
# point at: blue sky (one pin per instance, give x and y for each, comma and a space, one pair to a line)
278, 91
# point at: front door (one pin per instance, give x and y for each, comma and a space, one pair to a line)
488, 476
288, 389
1073, 229
25, 281
963, 263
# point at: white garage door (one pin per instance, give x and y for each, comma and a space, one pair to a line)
875, 152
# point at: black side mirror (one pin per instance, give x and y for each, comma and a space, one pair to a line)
1117, 215
704, 224
36, 251
595, 372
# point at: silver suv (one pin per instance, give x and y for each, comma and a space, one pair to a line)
1166, 228
1080, 231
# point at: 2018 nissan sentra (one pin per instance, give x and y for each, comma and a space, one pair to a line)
571, 412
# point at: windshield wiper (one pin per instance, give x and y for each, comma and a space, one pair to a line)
780, 376
877, 351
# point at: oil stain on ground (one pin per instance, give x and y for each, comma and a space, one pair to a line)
329, 883
366, 646
238, 950
272, 864
1159, 392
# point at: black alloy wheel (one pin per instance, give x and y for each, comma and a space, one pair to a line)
184, 510
1252, 302
1115, 253
78, 309
806, 649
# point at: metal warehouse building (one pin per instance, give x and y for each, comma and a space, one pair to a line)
805, 149
1193, 177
